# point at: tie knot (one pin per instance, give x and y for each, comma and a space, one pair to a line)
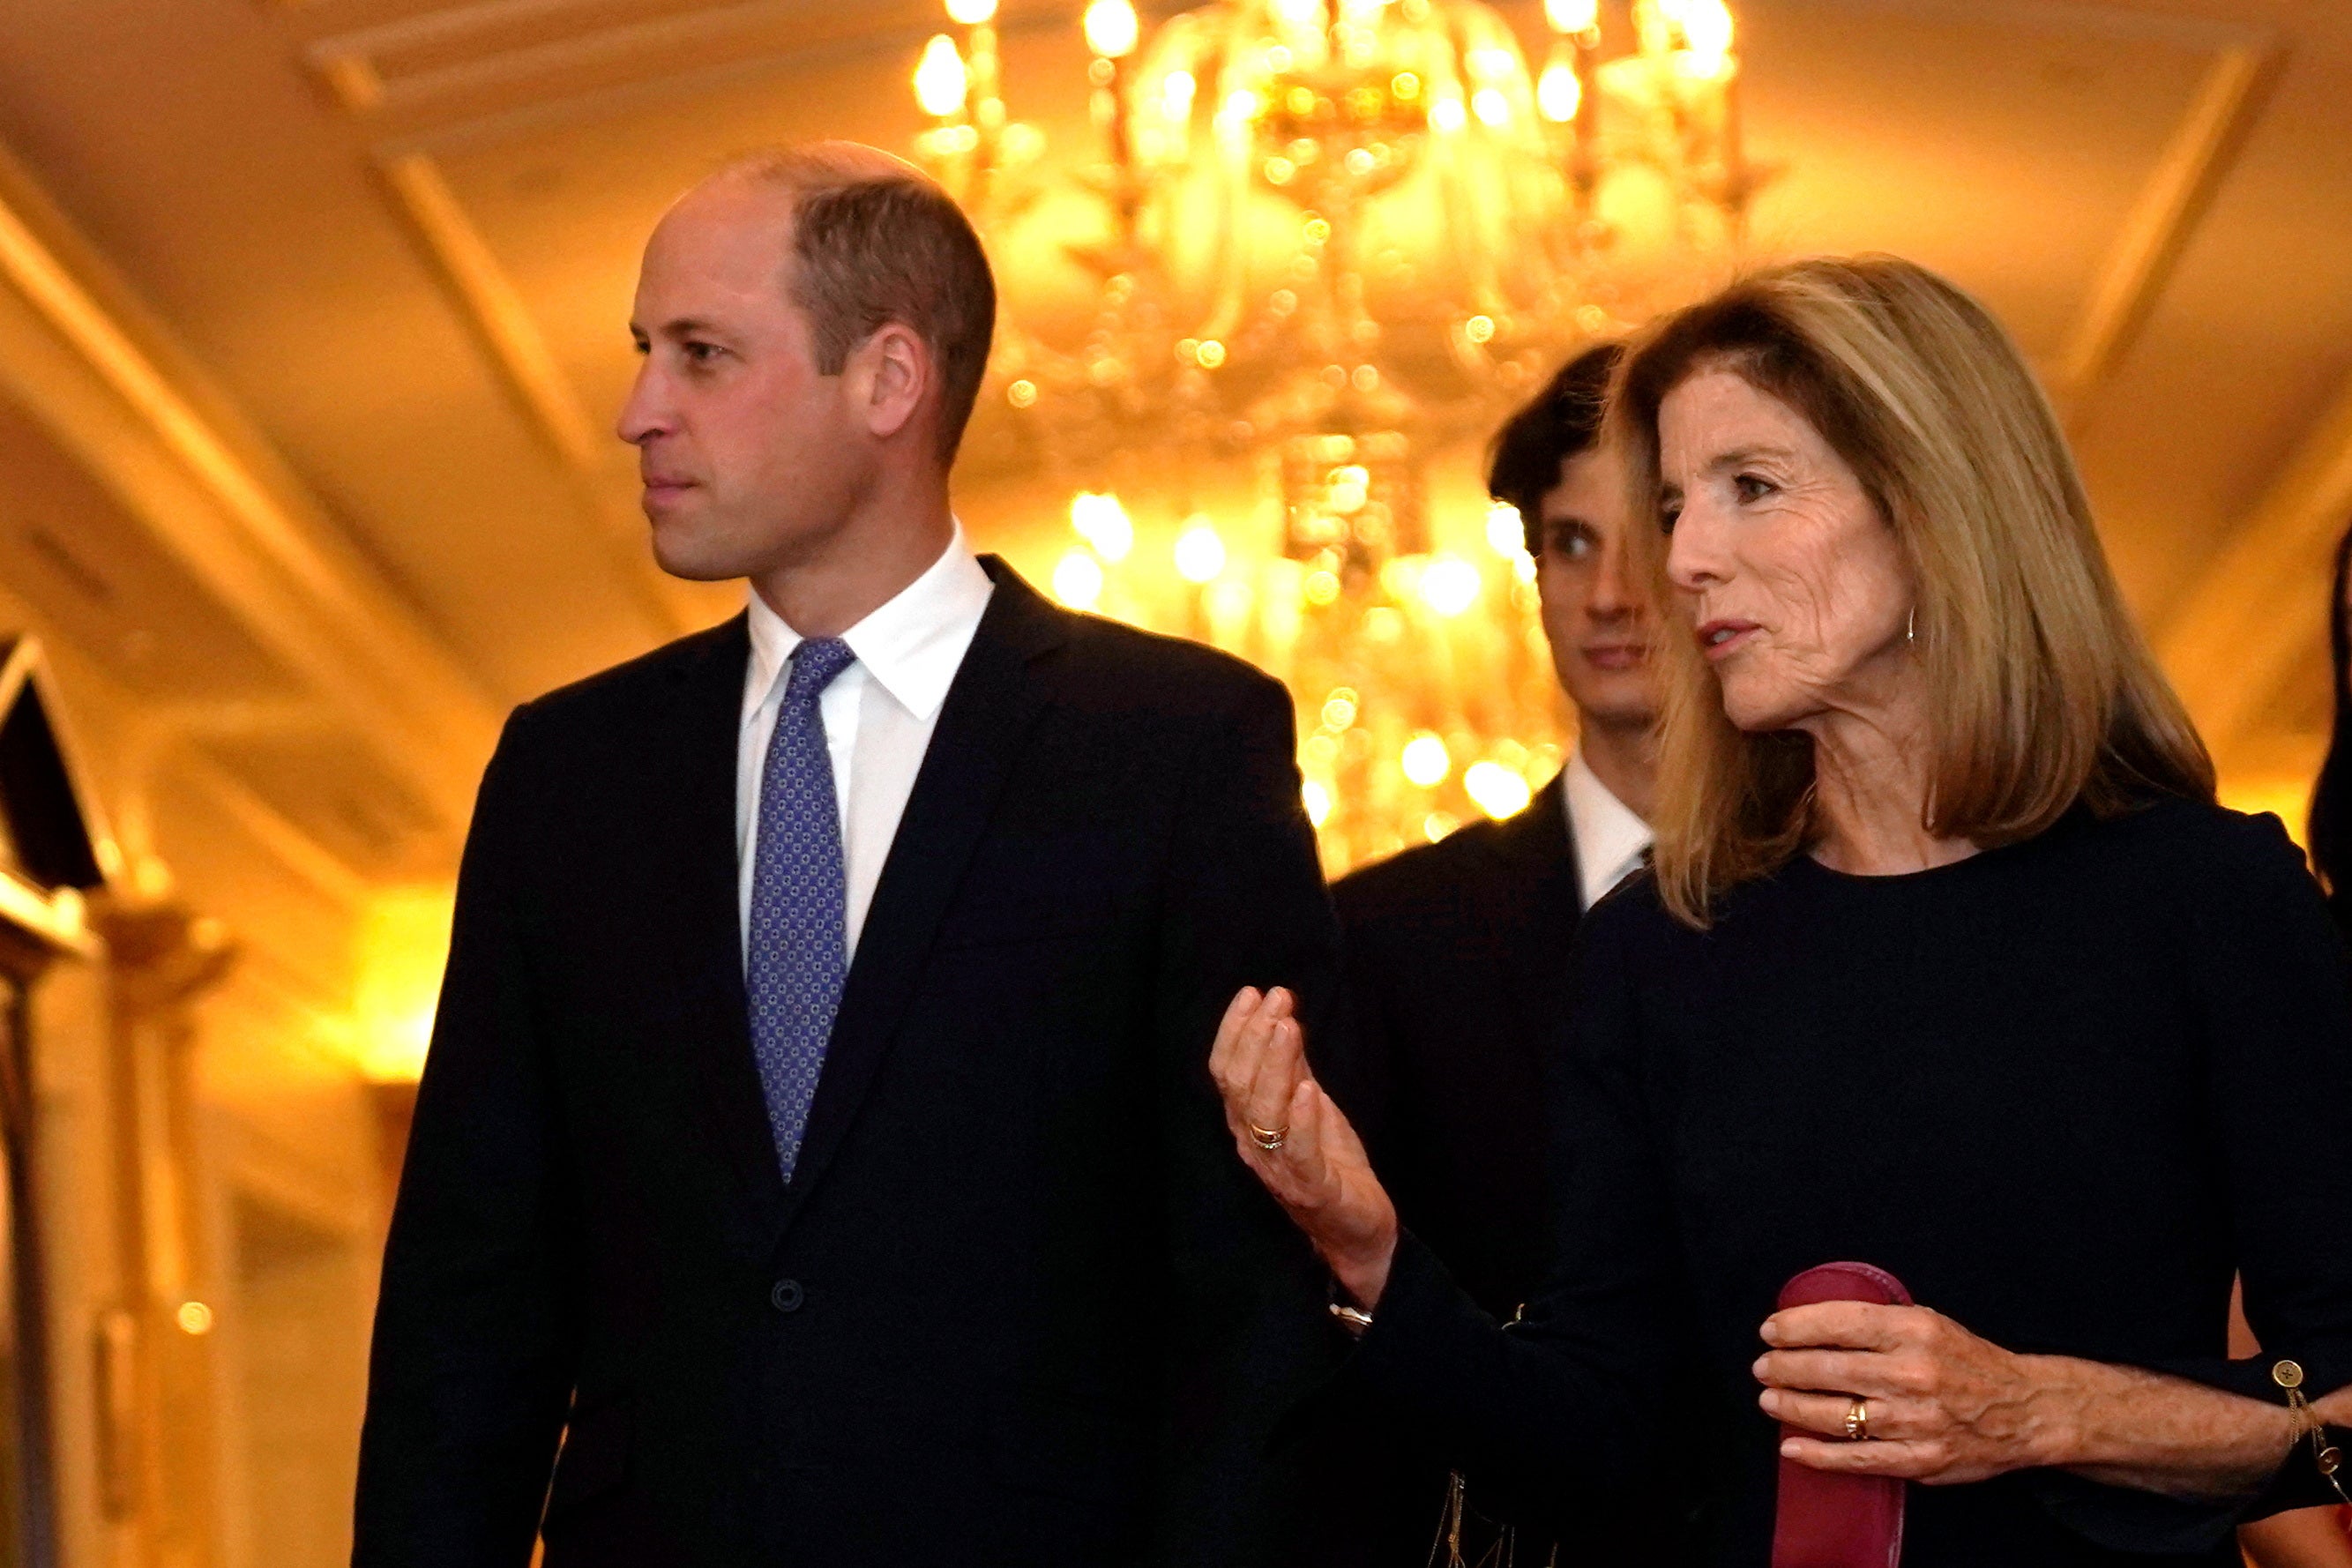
814, 664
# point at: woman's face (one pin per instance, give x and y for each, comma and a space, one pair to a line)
1792, 581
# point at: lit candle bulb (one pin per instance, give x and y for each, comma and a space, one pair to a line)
1558, 92
1572, 15
1112, 29
941, 80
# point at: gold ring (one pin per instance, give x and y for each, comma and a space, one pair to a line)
1266, 1138
1857, 1421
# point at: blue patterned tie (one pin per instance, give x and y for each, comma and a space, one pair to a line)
799, 940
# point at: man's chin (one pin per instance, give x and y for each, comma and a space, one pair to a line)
693, 560
1633, 706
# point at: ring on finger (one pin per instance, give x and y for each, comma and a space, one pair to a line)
1267, 1137
1857, 1421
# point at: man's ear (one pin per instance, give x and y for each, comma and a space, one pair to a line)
891, 375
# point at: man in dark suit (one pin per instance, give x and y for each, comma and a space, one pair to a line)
1458, 950
818, 1138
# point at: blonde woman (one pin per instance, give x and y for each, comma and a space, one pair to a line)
1950, 964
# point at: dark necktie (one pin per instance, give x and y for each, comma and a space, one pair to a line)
799, 943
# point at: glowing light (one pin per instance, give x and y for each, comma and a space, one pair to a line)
193, 1317
1572, 15
402, 946
1103, 522
1176, 92
1199, 553
1507, 533
1078, 580
1558, 94
1210, 354
1350, 488
1491, 107
1322, 588
1449, 585
1491, 65
1447, 115
1339, 707
1317, 799
1112, 29
1438, 824
941, 80
1021, 394
1425, 761
1707, 25
1405, 86
1479, 329
1229, 602
1498, 791
971, 13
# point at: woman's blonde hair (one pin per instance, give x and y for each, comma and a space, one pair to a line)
2041, 691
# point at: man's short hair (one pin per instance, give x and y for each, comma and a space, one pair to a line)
1561, 421
875, 240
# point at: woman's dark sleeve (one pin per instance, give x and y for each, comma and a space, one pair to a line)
1561, 1410
2276, 989
2268, 976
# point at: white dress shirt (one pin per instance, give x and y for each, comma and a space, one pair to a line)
1610, 839
879, 716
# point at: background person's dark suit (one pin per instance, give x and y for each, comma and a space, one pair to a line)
1457, 971
1021, 1303
1457, 977
1458, 959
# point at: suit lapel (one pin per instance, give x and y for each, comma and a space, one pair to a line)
700, 771
987, 713
1535, 923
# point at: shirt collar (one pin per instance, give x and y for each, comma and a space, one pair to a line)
1610, 839
911, 646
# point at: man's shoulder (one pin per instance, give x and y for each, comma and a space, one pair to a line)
1426, 883
1108, 662
648, 682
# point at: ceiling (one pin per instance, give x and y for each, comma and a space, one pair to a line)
384, 251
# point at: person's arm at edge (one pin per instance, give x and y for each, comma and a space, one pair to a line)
1246, 1330
471, 1367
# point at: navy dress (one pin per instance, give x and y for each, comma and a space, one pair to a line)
2065, 1090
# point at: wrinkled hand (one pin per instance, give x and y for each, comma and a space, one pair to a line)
1319, 1175
1945, 1407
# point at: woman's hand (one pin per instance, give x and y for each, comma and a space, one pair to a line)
1319, 1173
1944, 1406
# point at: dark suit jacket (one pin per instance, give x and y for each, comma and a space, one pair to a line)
1458, 974
1459, 965
1021, 1304
1457, 957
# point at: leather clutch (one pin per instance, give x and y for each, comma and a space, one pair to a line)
1824, 1520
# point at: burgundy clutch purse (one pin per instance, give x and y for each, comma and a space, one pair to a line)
1826, 1521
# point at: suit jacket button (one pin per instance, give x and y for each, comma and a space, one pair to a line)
787, 1296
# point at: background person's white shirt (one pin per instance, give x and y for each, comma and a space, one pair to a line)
1610, 839
879, 716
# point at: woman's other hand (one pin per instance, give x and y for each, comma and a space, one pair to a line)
1944, 1406
1318, 1171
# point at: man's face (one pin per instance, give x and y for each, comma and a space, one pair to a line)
750, 457
1593, 612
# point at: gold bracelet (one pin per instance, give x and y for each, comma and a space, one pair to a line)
2325, 1457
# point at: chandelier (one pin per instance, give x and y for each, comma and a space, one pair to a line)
1327, 241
